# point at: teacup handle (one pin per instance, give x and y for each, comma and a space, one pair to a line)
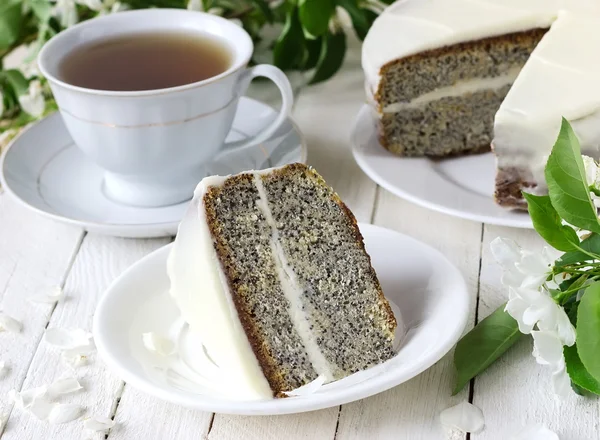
287, 100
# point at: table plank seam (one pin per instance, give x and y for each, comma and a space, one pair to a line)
337, 423
471, 397
61, 284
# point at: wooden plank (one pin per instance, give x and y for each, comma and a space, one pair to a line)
35, 253
411, 410
141, 416
516, 391
316, 425
98, 262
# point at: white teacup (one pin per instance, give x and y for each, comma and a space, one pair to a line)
154, 145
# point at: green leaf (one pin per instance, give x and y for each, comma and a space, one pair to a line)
547, 223
17, 81
331, 58
264, 7
10, 22
567, 185
359, 17
314, 52
590, 245
289, 48
588, 330
315, 15
577, 372
483, 345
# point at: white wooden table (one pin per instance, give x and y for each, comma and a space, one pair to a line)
37, 254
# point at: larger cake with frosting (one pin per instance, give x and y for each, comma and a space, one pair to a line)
453, 77
269, 267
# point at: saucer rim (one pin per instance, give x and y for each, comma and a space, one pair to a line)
125, 230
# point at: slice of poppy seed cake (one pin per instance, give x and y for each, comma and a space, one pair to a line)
301, 298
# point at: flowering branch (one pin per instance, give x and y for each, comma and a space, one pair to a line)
553, 295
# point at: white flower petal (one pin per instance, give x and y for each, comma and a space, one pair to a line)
535, 432
505, 251
2, 368
561, 383
54, 295
68, 338
98, 423
591, 169
41, 407
158, 344
74, 360
547, 348
9, 323
25, 399
516, 308
566, 331
64, 413
307, 389
465, 417
64, 386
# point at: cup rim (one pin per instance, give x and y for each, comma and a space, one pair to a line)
239, 64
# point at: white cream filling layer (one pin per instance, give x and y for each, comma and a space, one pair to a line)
292, 290
456, 90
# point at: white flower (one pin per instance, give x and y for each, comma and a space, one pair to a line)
64, 413
33, 102
94, 5
531, 307
521, 268
535, 432
112, 7
548, 350
66, 12
464, 417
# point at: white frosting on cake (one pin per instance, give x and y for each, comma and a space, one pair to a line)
411, 26
560, 79
200, 290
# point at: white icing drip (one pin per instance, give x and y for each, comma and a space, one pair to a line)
411, 26
458, 89
559, 79
202, 295
292, 290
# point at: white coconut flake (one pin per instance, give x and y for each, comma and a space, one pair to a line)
98, 423
9, 324
308, 389
51, 297
465, 417
158, 344
64, 386
64, 413
535, 432
41, 407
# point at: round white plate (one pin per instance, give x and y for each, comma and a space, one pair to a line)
46, 172
462, 186
427, 288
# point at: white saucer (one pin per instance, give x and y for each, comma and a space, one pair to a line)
427, 288
46, 172
462, 187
